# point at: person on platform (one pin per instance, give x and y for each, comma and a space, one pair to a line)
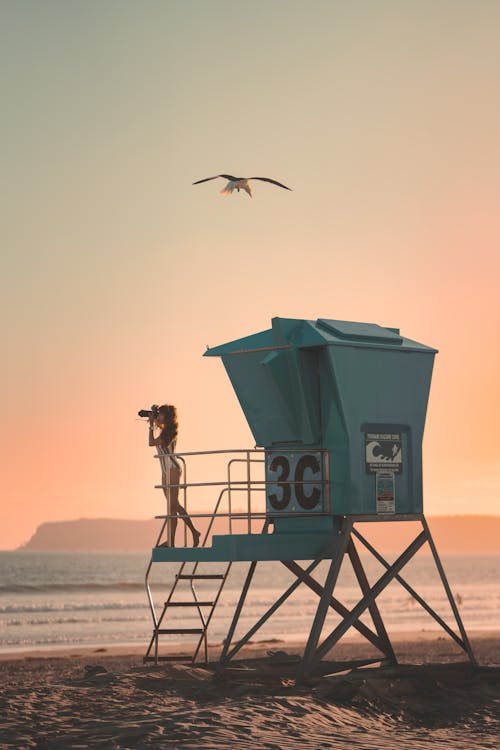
165, 419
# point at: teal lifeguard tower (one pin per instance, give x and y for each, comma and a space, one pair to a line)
337, 410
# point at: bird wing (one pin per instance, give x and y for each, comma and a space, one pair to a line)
267, 179
225, 176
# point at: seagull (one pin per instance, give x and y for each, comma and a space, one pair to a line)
239, 183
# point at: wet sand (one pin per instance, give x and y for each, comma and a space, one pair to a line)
95, 698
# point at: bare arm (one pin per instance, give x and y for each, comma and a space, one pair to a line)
152, 441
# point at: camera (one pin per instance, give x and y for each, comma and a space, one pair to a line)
153, 412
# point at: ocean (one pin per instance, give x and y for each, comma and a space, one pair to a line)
51, 600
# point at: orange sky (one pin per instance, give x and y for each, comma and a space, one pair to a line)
384, 119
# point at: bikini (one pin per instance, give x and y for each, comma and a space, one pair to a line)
167, 459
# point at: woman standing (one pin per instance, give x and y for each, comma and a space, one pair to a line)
165, 418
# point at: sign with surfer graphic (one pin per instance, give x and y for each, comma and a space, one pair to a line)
383, 450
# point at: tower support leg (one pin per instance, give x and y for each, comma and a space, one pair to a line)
309, 581
344, 544
373, 609
239, 607
410, 590
272, 609
315, 656
446, 585
324, 602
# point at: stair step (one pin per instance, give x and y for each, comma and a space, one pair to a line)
189, 604
174, 657
201, 576
165, 631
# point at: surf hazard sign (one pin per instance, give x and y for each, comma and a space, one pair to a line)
383, 450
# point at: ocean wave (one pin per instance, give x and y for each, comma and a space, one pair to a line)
18, 622
44, 588
70, 607
71, 640
401, 606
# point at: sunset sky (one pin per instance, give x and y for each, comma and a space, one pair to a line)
384, 118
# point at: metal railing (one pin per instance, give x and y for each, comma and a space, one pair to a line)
254, 509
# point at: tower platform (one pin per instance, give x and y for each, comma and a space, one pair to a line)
250, 547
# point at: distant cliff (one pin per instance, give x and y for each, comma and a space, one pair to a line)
93, 535
452, 534
107, 534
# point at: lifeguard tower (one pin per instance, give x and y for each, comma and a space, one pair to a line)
337, 410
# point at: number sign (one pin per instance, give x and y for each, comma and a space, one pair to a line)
294, 482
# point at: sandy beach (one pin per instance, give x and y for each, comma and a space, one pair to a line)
106, 698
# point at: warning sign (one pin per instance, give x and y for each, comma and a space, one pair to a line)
385, 492
383, 450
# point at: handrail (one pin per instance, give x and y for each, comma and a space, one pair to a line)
277, 448
256, 514
223, 450
243, 481
250, 484
248, 461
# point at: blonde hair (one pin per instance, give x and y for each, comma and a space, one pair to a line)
167, 420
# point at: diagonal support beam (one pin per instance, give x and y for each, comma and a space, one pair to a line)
236, 616
273, 608
369, 597
324, 602
243, 596
411, 590
374, 610
335, 604
466, 646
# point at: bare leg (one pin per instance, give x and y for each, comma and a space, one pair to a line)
167, 491
182, 514
171, 493
173, 527
176, 507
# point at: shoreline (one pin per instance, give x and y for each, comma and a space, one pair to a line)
354, 642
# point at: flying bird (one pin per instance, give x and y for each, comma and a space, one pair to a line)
239, 183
